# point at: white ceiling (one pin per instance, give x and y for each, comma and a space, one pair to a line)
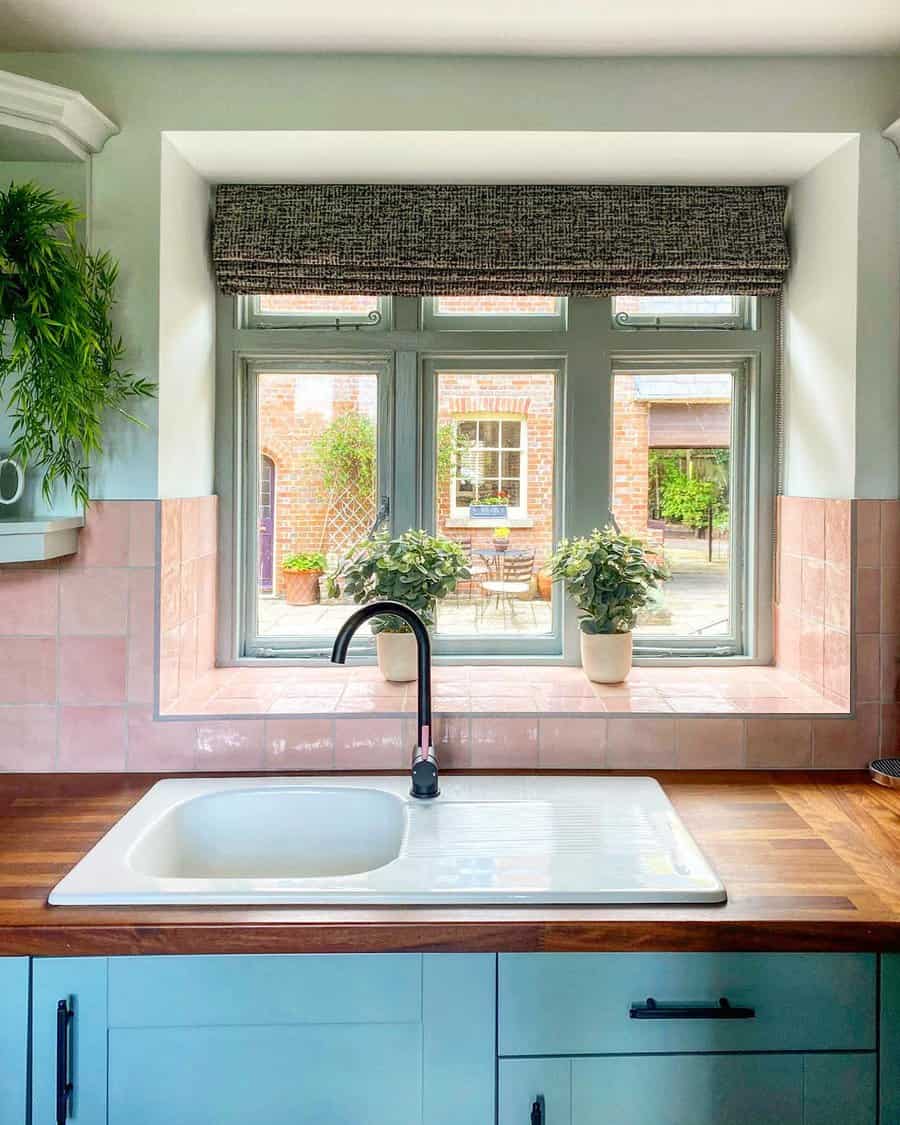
539, 27
400, 156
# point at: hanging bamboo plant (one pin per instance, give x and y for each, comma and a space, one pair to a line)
60, 361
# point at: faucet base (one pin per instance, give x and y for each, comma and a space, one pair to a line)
424, 774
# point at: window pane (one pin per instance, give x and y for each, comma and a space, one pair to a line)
503, 598
671, 488
689, 307
315, 304
497, 306
318, 443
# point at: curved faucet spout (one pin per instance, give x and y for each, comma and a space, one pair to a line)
425, 777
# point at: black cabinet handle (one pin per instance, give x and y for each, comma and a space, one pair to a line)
653, 1010
64, 1016
537, 1111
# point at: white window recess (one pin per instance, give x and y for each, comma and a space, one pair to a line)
40, 121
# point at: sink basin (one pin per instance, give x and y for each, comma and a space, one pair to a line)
283, 832
364, 840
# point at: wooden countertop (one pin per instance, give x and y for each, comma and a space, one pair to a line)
811, 862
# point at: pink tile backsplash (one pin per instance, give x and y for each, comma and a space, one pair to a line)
79, 642
93, 670
27, 739
91, 738
93, 601
813, 610
29, 601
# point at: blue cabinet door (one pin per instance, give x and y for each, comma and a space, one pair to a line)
823, 1089
398, 1039
13, 1037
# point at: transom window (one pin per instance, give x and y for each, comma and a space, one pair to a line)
503, 443
699, 311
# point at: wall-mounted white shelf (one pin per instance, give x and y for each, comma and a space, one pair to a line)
35, 540
40, 121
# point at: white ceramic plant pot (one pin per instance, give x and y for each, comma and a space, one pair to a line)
606, 657
396, 656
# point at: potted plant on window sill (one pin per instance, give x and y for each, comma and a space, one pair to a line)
414, 568
610, 577
490, 507
300, 575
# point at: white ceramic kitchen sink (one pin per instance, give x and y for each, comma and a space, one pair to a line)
364, 840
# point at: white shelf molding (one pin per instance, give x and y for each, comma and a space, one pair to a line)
39, 121
24, 540
892, 132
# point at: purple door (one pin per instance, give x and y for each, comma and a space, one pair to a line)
266, 523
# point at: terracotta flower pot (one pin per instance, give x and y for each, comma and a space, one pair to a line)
606, 657
301, 587
544, 586
501, 544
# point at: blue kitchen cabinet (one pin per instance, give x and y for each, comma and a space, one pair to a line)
803, 1052
13, 1038
751, 1089
889, 1044
394, 1038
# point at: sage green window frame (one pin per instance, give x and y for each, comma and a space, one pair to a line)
743, 495
497, 647
434, 321
249, 316
249, 369
589, 350
744, 317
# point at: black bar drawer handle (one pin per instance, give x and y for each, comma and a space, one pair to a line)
537, 1111
653, 1010
64, 1016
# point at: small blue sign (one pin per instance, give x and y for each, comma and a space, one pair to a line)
488, 511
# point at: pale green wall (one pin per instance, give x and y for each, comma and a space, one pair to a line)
146, 94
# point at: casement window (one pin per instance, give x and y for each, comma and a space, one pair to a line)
467, 428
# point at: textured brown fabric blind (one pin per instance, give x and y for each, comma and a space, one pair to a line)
421, 240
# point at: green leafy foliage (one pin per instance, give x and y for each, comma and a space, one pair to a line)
609, 576
345, 453
314, 560
685, 484
451, 447
60, 361
688, 500
415, 568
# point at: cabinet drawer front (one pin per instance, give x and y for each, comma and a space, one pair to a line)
691, 1090
307, 988
579, 1003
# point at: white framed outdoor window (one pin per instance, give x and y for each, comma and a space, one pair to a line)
494, 314
439, 424
490, 466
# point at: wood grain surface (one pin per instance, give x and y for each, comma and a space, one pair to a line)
811, 861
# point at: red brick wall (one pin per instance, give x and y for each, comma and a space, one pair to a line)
286, 436
531, 396
631, 463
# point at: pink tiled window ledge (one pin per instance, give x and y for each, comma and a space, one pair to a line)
361, 692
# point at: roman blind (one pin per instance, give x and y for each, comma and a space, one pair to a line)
448, 239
